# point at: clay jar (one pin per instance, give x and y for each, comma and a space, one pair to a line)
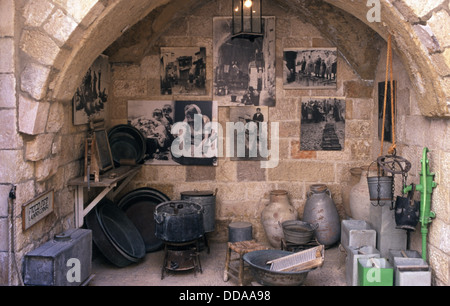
275, 213
320, 209
359, 196
354, 179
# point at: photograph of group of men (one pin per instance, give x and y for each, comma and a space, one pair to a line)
310, 68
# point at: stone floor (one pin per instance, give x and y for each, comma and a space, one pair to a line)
148, 272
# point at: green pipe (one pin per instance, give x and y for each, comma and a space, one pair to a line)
426, 188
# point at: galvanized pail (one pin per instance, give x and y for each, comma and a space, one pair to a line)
380, 188
207, 199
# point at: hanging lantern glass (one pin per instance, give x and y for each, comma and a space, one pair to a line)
247, 19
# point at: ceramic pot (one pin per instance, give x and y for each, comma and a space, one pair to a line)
354, 179
320, 209
359, 196
278, 210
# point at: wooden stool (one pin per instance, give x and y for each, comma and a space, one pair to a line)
240, 248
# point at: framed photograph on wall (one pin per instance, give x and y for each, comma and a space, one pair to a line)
322, 125
183, 124
388, 115
244, 69
249, 133
196, 133
154, 119
307, 68
91, 97
183, 71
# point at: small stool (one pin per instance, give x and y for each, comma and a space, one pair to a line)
241, 248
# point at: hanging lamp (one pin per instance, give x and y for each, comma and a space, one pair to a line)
247, 19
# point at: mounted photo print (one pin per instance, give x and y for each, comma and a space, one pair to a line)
309, 68
154, 119
89, 100
176, 132
388, 115
183, 71
250, 134
196, 133
244, 69
322, 126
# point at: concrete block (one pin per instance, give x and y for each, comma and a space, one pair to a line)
382, 219
411, 272
357, 233
351, 262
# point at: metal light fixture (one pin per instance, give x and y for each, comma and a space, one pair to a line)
247, 19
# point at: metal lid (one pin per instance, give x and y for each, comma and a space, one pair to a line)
198, 193
178, 208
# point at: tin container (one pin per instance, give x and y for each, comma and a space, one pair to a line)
51, 263
207, 199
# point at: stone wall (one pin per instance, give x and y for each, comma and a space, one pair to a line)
413, 133
243, 187
47, 45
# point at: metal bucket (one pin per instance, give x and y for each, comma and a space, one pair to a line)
380, 188
207, 199
298, 232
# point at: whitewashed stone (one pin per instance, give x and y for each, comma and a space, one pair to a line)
36, 12
39, 148
60, 26
8, 90
39, 46
32, 116
6, 55
34, 80
46, 168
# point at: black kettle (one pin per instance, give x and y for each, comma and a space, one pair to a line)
407, 211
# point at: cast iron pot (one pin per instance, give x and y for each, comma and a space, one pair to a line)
179, 221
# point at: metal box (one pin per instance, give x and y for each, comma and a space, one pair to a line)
411, 272
382, 219
357, 233
63, 261
402, 253
375, 272
351, 261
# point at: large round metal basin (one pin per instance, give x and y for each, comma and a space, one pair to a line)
262, 273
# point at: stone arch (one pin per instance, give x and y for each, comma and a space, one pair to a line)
101, 23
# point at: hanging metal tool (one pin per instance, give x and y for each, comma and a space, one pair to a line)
426, 189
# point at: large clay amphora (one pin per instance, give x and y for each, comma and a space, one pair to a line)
320, 209
359, 195
278, 210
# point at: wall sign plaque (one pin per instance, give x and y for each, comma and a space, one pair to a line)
37, 209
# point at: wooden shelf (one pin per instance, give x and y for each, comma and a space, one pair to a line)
118, 177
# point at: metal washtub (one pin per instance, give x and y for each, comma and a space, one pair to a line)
298, 232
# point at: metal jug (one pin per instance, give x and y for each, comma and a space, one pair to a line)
320, 209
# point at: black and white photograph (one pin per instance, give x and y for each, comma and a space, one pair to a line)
196, 135
183, 71
90, 99
154, 119
309, 68
322, 126
250, 134
244, 69
388, 111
